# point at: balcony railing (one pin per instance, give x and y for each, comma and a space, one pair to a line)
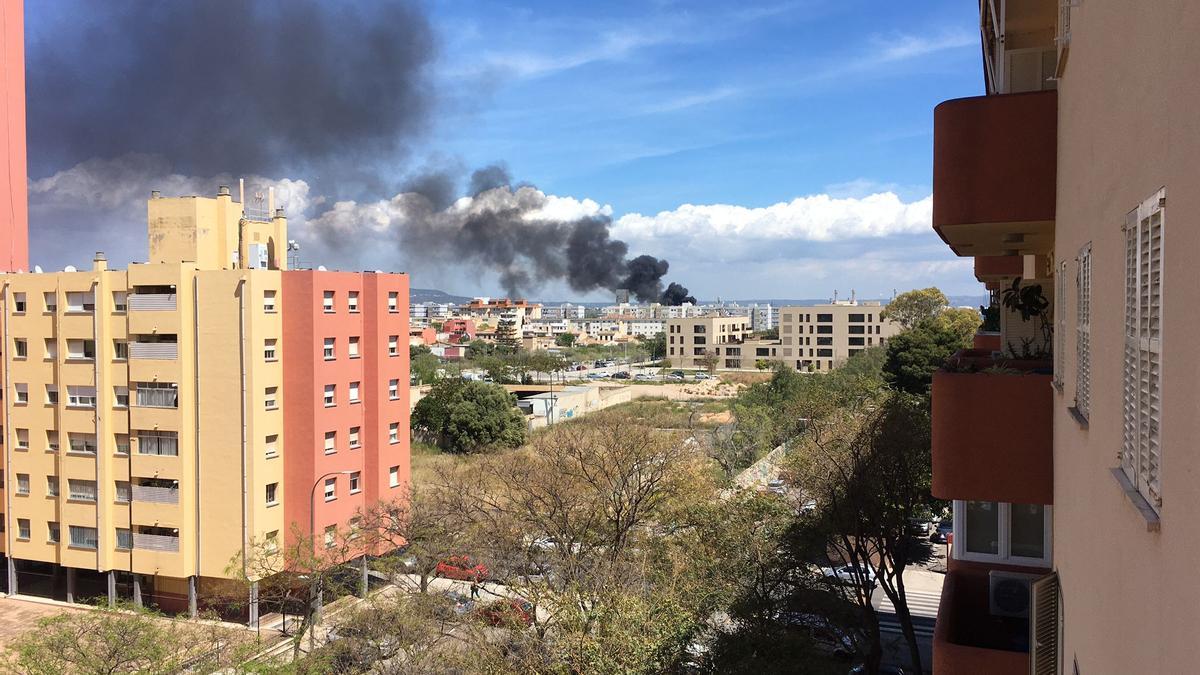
154, 350
992, 430
152, 302
155, 495
155, 542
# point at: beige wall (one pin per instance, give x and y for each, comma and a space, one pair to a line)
820, 335
1127, 126
686, 346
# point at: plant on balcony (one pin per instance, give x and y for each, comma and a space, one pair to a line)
1031, 304
991, 318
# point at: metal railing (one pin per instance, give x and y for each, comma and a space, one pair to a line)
152, 302
155, 495
154, 350
155, 542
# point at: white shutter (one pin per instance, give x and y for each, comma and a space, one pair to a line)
1141, 454
1083, 332
1060, 321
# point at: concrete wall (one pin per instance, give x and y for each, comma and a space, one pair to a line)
14, 200
1127, 126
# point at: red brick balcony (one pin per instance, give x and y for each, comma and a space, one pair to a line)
994, 167
987, 342
992, 433
967, 638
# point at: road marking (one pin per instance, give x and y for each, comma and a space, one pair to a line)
920, 603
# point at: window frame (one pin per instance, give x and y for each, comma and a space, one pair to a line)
1004, 546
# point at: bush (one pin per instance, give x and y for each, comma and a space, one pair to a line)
466, 416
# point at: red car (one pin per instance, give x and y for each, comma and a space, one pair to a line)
508, 612
460, 567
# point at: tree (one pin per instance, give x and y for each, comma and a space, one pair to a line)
507, 340
769, 334
468, 416
544, 362
962, 320
709, 361
125, 639
424, 523
914, 355
425, 367
911, 308
479, 348
565, 339
655, 346
416, 350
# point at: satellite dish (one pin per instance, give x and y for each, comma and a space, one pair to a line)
70, 268
321, 268
37, 269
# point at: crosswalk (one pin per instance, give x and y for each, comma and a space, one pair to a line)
922, 629
920, 603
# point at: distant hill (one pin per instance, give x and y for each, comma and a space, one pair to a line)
416, 295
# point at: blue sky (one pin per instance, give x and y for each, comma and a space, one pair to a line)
645, 107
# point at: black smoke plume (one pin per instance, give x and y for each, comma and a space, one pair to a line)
676, 295
276, 87
502, 229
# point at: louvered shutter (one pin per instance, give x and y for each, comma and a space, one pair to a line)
1045, 626
1060, 322
1083, 332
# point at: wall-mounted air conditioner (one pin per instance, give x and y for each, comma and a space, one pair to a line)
1008, 593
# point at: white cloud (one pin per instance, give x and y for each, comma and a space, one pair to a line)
813, 218
899, 48
691, 100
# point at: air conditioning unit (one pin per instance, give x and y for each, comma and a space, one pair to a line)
1008, 593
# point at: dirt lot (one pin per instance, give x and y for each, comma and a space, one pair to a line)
18, 616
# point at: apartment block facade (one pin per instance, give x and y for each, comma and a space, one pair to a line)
690, 341
1071, 473
147, 434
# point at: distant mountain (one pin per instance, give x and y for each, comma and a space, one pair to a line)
418, 295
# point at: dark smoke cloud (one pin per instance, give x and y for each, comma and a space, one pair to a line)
276, 87
676, 295
501, 229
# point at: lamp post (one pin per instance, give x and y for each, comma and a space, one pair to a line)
315, 589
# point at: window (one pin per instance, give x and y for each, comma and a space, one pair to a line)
329, 346
1142, 399
120, 303
271, 398
330, 489
394, 476
81, 397
272, 494
827, 341
354, 432
122, 443
268, 301
824, 318
394, 432
1002, 532
121, 397
825, 330
53, 534
330, 535
83, 537
393, 302
80, 442
120, 350
354, 347
272, 445
1083, 333
825, 352
123, 492
81, 302
23, 528
21, 393
352, 302
52, 441
393, 389
857, 318
272, 541
81, 349
18, 303
22, 439
330, 395
393, 345
327, 301
50, 299
124, 538
158, 443
857, 330
269, 353
51, 347
22, 483
355, 480
330, 442
354, 386
51, 486
157, 394
81, 490
20, 348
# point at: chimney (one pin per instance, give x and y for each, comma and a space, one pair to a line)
99, 262
155, 194
223, 191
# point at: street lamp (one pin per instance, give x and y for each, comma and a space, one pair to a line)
315, 590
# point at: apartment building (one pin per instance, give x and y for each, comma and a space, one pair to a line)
690, 341
148, 436
14, 185
822, 337
1073, 479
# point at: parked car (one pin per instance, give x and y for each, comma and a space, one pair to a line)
643, 377
508, 612
703, 376
676, 375
594, 376
622, 375
461, 568
942, 533
919, 526
827, 636
847, 575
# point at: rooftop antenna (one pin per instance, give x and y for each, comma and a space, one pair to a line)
242, 194
835, 293
852, 296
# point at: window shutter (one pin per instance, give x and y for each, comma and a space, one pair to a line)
1045, 626
1083, 332
1060, 321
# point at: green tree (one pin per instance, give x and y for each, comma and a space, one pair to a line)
507, 340
962, 320
466, 416
655, 346
416, 350
709, 362
565, 339
911, 308
769, 334
425, 366
914, 355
